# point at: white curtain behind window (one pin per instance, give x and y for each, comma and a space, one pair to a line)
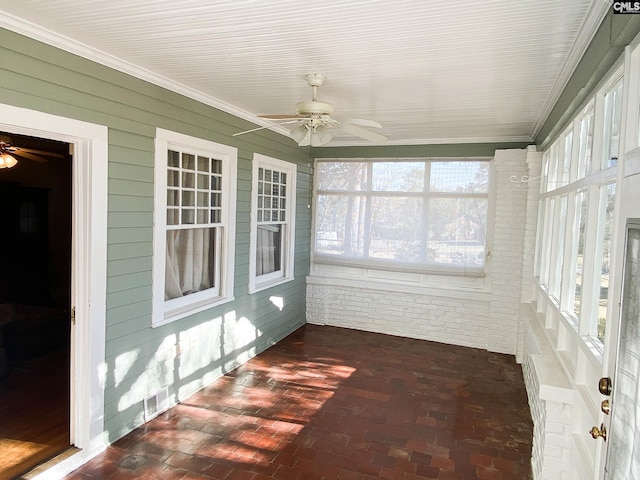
268, 249
189, 261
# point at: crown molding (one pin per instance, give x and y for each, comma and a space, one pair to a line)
36, 32
597, 13
431, 141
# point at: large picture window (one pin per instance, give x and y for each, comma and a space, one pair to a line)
421, 215
194, 225
273, 222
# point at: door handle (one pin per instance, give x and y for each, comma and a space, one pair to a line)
599, 432
604, 386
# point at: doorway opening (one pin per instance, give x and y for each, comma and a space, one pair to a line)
35, 302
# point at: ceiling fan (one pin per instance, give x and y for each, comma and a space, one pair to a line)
8, 152
315, 120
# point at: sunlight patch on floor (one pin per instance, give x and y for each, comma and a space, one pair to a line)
15, 451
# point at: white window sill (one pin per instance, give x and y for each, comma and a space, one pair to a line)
269, 284
184, 311
471, 288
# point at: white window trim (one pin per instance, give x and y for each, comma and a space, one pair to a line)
164, 312
263, 282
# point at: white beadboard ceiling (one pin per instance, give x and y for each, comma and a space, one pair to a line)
430, 71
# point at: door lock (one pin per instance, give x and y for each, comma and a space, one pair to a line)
604, 386
599, 432
605, 406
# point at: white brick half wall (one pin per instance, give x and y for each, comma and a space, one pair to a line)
484, 315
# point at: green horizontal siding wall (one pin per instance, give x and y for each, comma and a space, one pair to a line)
40, 77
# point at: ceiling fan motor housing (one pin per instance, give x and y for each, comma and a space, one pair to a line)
313, 107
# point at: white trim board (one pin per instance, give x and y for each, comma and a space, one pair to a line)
89, 272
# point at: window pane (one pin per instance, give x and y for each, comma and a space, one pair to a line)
539, 230
552, 168
203, 181
268, 249
188, 198
557, 251
188, 216
204, 164
607, 198
545, 255
459, 177
173, 216
342, 176
188, 180
340, 225
580, 222
398, 176
188, 161
396, 230
544, 172
612, 117
190, 261
173, 159
584, 148
173, 178
564, 161
173, 198
456, 229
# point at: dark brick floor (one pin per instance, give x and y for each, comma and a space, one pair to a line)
337, 404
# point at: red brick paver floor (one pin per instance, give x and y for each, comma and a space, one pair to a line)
337, 404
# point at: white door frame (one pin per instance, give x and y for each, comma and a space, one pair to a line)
89, 143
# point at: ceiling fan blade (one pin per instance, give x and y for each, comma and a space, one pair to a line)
265, 127
38, 152
279, 117
362, 133
363, 122
30, 156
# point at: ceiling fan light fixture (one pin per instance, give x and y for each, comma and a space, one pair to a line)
7, 161
320, 137
299, 133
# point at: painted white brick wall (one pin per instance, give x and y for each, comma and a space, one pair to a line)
506, 257
441, 319
534, 165
487, 320
550, 396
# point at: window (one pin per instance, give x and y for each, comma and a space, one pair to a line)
194, 225
603, 254
577, 267
405, 214
273, 198
585, 142
612, 118
545, 256
564, 160
577, 201
557, 250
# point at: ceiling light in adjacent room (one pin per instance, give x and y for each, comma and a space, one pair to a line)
7, 161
